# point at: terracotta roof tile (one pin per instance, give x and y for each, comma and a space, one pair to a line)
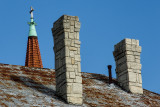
25, 86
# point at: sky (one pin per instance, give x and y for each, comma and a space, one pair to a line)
104, 23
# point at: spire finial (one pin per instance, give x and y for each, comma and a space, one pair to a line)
32, 24
31, 12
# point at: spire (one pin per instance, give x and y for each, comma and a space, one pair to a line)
33, 56
32, 24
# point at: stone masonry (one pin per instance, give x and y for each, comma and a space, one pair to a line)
128, 67
67, 59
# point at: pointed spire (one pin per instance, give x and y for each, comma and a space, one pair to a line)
33, 56
32, 24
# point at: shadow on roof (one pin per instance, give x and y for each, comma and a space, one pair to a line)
36, 86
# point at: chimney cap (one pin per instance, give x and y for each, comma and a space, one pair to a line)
109, 66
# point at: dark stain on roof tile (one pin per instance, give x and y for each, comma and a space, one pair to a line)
25, 86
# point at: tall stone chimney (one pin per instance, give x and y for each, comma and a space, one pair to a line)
33, 56
128, 67
67, 59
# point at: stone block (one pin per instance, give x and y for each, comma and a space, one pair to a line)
77, 19
77, 42
78, 79
69, 80
75, 95
137, 41
72, 54
71, 35
136, 71
77, 35
135, 84
75, 66
122, 73
72, 23
77, 58
134, 42
136, 53
77, 88
72, 43
127, 41
137, 60
128, 47
68, 60
133, 65
77, 45
65, 17
66, 25
66, 51
134, 89
130, 58
132, 76
72, 29
139, 78
123, 77
122, 67
76, 29
67, 74
129, 52
72, 75
66, 30
72, 61
69, 89
72, 49
75, 100
79, 67
70, 69
67, 42
137, 57
77, 24
78, 51
139, 49
73, 18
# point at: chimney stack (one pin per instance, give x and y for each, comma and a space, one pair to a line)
128, 68
67, 59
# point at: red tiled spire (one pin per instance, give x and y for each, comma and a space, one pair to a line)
33, 56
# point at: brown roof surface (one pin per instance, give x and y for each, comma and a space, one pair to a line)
24, 86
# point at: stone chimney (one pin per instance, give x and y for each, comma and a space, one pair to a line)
67, 59
128, 67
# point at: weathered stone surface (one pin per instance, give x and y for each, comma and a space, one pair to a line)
77, 88
132, 76
78, 79
128, 67
135, 89
67, 54
76, 100
72, 74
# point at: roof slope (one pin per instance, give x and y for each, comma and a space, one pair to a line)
24, 86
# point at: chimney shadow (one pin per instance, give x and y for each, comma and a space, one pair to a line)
36, 86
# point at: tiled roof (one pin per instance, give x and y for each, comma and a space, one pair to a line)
22, 86
33, 56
